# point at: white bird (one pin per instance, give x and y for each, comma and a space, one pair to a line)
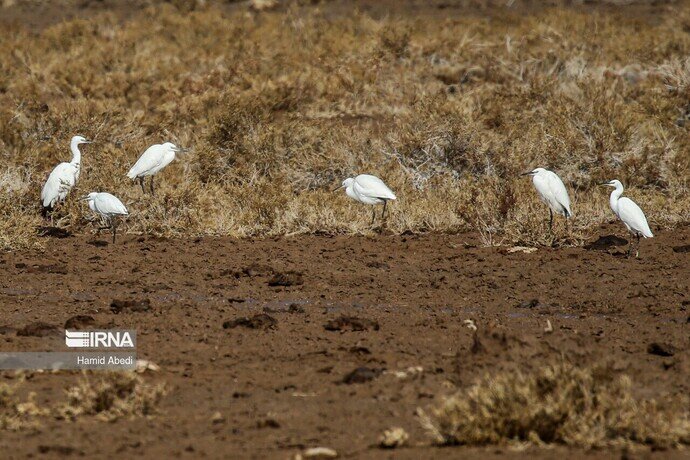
108, 207
63, 178
368, 189
153, 160
552, 192
630, 213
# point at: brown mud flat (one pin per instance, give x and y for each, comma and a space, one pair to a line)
270, 334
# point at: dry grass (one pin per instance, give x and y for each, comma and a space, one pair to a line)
111, 396
559, 404
279, 107
16, 414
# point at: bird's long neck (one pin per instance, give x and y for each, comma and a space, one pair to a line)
615, 195
76, 154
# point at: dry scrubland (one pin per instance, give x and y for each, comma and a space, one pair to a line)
279, 107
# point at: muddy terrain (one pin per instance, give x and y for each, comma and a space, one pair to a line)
257, 340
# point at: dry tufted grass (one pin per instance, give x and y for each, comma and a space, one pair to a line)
280, 106
558, 404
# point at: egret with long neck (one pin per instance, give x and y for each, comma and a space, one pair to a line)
630, 213
62, 179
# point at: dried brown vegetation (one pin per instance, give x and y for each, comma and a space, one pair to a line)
279, 107
561, 404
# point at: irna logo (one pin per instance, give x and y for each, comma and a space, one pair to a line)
99, 339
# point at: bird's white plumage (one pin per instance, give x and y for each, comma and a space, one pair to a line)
106, 205
63, 177
368, 189
154, 159
628, 211
552, 191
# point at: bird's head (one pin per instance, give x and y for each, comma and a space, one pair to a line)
613, 183
89, 197
346, 183
172, 147
80, 140
533, 172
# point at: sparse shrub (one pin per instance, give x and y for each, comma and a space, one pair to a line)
557, 404
111, 396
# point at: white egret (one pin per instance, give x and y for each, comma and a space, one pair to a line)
63, 178
153, 160
108, 207
368, 189
552, 192
630, 213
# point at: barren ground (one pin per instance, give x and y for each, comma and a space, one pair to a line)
282, 389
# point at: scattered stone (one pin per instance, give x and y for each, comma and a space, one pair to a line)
217, 418
56, 269
143, 365
661, 349
260, 321
393, 437
320, 452
529, 303
549, 328
523, 249
352, 323
130, 306
268, 423
289, 278
80, 322
38, 329
361, 375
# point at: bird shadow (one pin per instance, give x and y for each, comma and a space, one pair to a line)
604, 243
53, 232
684, 248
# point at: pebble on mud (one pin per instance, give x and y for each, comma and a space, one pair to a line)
318, 452
393, 437
260, 321
661, 349
130, 306
38, 329
361, 375
289, 278
352, 323
80, 322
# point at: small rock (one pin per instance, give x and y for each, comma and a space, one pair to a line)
80, 321
143, 365
661, 349
320, 452
268, 423
529, 303
290, 278
393, 437
217, 418
352, 323
361, 375
133, 306
259, 321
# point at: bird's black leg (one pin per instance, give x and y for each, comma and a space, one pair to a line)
637, 251
114, 225
383, 214
373, 215
152, 193
141, 182
550, 221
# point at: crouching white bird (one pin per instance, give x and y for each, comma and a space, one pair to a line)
368, 189
630, 213
552, 192
62, 179
153, 160
109, 208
